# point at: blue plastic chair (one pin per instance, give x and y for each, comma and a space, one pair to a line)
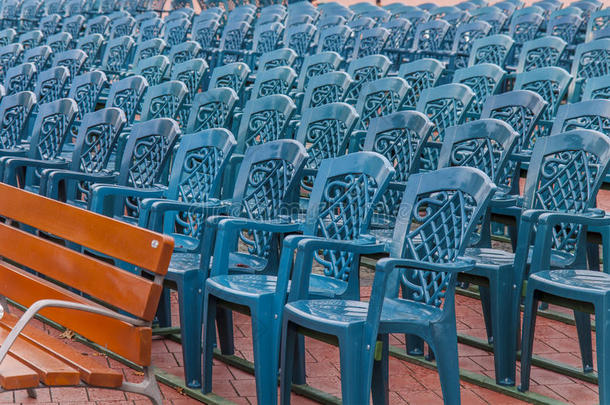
7, 36
31, 39
596, 88
153, 69
164, 101
419, 75
279, 57
541, 52
50, 131
399, 137
74, 25
117, 56
277, 80
590, 60
464, 38
148, 48
316, 65
455, 20
363, 71
300, 38
598, 21
266, 38
127, 94
428, 40
491, 15
484, 79
370, 42
10, 55
565, 27
184, 52
59, 42
591, 114
400, 30
192, 73
445, 106
86, 90
50, 84
425, 260
74, 60
92, 45
50, 24
150, 29
15, 112
496, 49
175, 31
211, 109
325, 89
525, 27
20, 78
30, 13
334, 39
345, 190
231, 46
122, 26
378, 98
233, 76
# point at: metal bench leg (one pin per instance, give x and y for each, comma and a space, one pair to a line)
32, 393
149, 387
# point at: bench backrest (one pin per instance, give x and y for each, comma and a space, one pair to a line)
35, 268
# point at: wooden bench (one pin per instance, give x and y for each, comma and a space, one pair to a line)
91, 297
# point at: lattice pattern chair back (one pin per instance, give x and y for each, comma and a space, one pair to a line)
325, 89
74, 25
266, 37
591, 114
164, 100
7, 36
440, 13
39, 56
590, 60
551, 83
464, 38
149, 48
265, 119
300, 38
330, 21
497, 20
151, 29
419, 75
445, 106
599, 21
400, 29
98, 25
31, 39
484, 80
205, 32
484, 144
153, 69
380, 97
122, 26
50, 24
334, 39
126, 94
232, 39
429, 36
195, 177
440, 211
316, 65
20, 78
525, 27
565, 27
264, 187
277, 80
146, 153
50, 84
15, 111
541, 52
363, 71
73, 59
399, 137
30, 10
496, 49
378, 15
10, 55
86, 90
211, 109
279, 57
565, 173
325, 132
50, 131
521, 109
597, 88
370, 42
10, 12
191, 73
455, 20
176, 30
59, 42
92, 46
232, 75
184, 51
117, 54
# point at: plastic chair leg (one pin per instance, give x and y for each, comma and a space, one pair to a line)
583, 327
380, 383
224, 321
445, 347
265, 343
299, 376
487, 317
593, 256
602, 334
504, 329
209, 340
353, 389
527, 341
164, 310
287, 364
189, 306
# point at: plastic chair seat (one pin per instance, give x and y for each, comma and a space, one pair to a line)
243, 263
495, 257
562, 282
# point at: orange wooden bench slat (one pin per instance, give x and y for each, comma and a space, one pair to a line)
15, 375
134, 245
51, 370
131, 342
84, 273
91, 371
